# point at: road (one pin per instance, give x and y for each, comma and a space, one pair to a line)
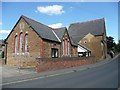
102, 76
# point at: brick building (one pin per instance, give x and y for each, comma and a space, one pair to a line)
90, 35
30, 39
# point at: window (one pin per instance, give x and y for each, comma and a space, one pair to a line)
16, 44
21, 42
66, 46
54, 52
63, 46
26, 43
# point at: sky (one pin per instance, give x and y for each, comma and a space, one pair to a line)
60, 14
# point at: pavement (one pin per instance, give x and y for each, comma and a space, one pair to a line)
12, 74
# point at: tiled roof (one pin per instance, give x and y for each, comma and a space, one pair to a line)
43, 31
78, 30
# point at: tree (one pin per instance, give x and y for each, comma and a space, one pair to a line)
117, 47
110, 43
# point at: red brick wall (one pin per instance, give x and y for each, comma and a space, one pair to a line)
60, 63
34, 46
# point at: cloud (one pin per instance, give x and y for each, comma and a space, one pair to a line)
51, 10
0, 23
5, 31
82, 0
57, 25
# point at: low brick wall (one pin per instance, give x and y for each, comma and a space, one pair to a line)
60, 63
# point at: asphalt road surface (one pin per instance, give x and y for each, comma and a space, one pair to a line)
103, 76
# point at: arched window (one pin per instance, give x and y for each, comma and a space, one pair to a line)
16, 44
63, 46
21, 42
66, 47
26, 43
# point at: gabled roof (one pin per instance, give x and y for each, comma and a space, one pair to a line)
46, 32
78, 30
60, 32
43, 31
75, 31
73, 42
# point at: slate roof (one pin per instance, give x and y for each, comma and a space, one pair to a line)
60, 32
43, 31
76, 31
46, 32
73, 41
79, 30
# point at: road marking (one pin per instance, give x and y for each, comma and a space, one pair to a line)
25, 80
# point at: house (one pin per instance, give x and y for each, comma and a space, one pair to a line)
30, 39
91, 37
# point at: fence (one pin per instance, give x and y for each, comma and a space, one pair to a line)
45, 64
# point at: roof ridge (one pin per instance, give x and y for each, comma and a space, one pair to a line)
56, 35
51, 29
41, 23
58, 28
88, 21
37, 22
